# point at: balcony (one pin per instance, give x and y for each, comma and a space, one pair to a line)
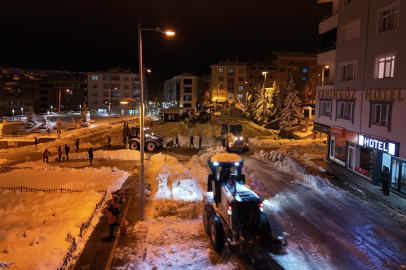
327, 56
328, 22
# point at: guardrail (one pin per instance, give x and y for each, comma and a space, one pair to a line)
47, 190
335, 12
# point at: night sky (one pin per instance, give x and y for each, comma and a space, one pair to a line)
91, 35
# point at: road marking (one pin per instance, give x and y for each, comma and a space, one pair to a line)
113, 249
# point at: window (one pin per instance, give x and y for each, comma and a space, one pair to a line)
239, 95
126, 95
241, 79
350, 32
94, 86
241, 87
388, 18
111, 77
68, 99
95, 102
304, 70
126, 86
270, 76
94, 78
187, 98
105, 94
282, 69
95, 94
325, 108
221, 70
70, 92
241, 70
187, 89
380, 113
115, 102
230, 87
230, 95
348, 72
187, 81
126, 78
385, 66
136, 86
230, 71
135, 78
304, 78
115, 94
221, 86
221, 78
344, 110
230, 79
250, 84
251, 76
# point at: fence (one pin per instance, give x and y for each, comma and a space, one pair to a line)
83, 227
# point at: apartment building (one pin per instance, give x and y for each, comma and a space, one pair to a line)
181, 91
111, 86
360, 106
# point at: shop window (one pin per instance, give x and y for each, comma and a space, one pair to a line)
380, 113
345, 110
325, 107
364, 161
398, 175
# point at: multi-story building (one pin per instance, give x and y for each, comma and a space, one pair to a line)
361, 105
181, 91
228, 80
203, 95
111, 86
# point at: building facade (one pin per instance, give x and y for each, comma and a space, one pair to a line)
181, 91
109, 87
361, 103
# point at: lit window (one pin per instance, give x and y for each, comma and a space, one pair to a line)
304, 78
221, 70
325, 108
345, 110
304, 69
241, 87
230, 95
388, 18
239, 95
115, 94
230, 70
385, 66
94, 78
350, 32
348, 72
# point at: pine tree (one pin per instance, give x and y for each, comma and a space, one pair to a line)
291, 113
259, 104
274, 104
310, 91
85, 116
31, 115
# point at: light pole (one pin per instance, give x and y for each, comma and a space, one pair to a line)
22, 111
263, 103
169, 33
13, 112
146, 87
246, 96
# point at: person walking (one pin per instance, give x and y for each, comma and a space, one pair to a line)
200, 141
177, 141
91, 155
112, 220
67, 148
191, 142
46, 154
49, 132
36, 141
386, 182
59, 153
314, 134
108, 140
77, 145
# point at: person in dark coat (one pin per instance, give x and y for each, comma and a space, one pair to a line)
36, 141
200, 141
112, 220
386, 178
382, 178
77, 145
191, 142
46, 154
67, 148
91, 155
108, 140
177, 141
59, 153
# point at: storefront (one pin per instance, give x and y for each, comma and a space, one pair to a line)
323, 132
342, 146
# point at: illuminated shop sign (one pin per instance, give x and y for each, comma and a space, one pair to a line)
384, 146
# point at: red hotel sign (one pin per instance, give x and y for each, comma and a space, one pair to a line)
344, 134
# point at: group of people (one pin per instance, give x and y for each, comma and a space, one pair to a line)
46, 153
191, 141
385, 179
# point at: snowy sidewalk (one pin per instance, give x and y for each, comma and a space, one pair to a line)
393, 201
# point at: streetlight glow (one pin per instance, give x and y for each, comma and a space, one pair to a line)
170, 33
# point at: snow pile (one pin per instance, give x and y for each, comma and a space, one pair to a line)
287, 164
178, 244
282, 142
211, 151
124, 154
3, 161
45, 176
34, 226
205, 130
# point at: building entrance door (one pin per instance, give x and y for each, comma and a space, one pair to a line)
351, 157
332, 146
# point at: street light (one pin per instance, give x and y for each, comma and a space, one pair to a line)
169, 33
59, 113
13, 112
21, 110
146, 70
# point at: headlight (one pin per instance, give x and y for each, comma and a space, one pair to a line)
236, 164
236, 138
215, 163
261, 207
241, 138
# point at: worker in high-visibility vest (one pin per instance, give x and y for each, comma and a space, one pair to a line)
112, 220
116, 201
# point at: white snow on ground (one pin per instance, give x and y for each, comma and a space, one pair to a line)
281, 142
124, 154
3, 161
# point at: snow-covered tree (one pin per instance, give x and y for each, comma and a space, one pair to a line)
310, 91
85, 116
31, 115
292, 112
236, 104
258, 104
274, 104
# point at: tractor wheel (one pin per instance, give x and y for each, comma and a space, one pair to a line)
209, 183
151, 146
216, 233
208, 212
265, 231
134, 146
